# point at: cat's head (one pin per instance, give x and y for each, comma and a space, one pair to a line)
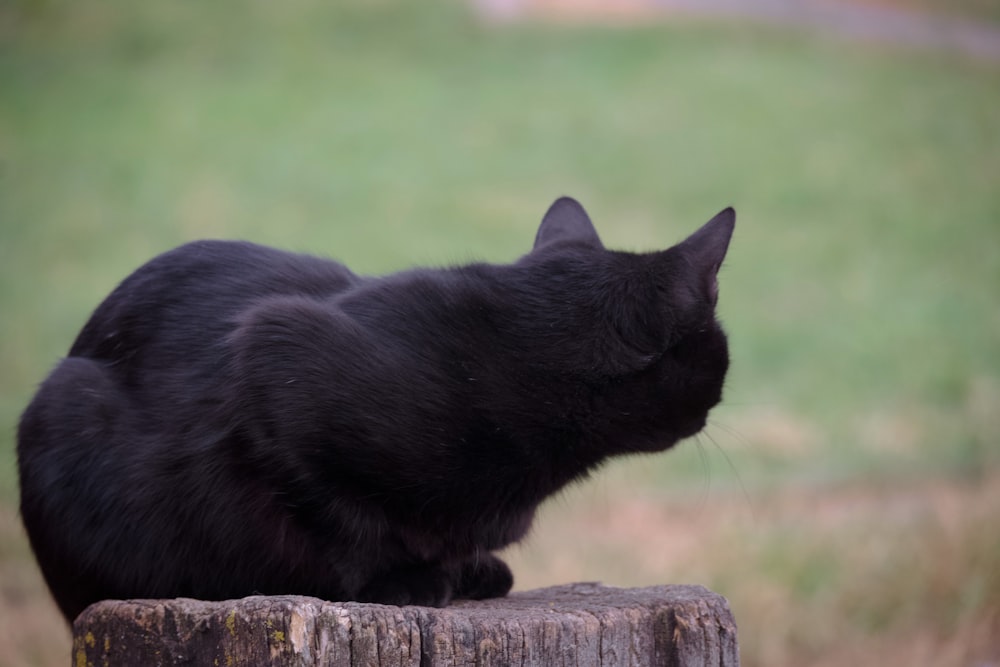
645, 323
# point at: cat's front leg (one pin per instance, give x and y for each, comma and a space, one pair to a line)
424, 584
435, 585
483, 576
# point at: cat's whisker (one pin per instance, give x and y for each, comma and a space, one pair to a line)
736, 472
738, 403
706, 467
729, 430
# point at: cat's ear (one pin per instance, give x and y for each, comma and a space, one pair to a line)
567, 221
706, 248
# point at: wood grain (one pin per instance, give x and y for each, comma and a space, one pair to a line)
578, 625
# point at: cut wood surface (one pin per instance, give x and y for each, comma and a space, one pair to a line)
578, 624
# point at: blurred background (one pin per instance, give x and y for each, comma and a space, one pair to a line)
846, 496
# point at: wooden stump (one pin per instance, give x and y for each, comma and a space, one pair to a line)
578, 624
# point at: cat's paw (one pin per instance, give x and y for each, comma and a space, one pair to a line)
484, 576
424, 586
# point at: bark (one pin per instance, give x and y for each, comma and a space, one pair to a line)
578, 625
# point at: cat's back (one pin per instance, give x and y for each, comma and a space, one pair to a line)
194, 292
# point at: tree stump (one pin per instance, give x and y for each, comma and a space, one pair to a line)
578, 624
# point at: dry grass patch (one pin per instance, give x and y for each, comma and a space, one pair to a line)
891, 574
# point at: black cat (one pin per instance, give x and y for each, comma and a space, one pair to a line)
235, 419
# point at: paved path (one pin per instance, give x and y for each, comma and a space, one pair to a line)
884, 24
859, 21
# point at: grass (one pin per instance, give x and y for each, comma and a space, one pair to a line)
859, 292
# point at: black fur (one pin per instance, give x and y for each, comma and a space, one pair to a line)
235, 419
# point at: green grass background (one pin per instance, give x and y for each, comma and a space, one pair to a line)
861, 287
860, 292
